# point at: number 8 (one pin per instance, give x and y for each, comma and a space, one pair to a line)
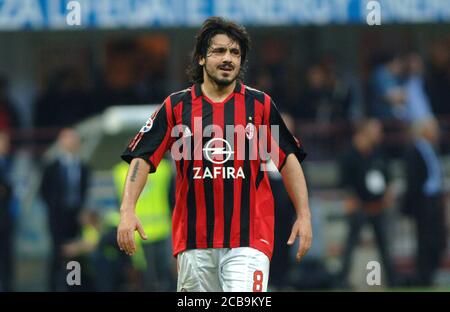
257, 281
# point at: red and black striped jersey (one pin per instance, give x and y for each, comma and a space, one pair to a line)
223, 195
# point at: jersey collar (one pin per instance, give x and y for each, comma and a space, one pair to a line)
196, 90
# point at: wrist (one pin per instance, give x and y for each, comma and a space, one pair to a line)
126, 210
304, 215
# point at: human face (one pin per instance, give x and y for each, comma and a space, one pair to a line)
375, 132
223, 61
69, 141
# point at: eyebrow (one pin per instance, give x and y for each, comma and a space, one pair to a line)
224, 47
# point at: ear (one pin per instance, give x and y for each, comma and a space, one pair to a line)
201, 61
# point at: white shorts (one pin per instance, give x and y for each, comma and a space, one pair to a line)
242, 269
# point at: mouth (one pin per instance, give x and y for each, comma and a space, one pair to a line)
226, 68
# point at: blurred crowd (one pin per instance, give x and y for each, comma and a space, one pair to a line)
403, 86
408, 92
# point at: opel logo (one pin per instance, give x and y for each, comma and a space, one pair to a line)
210, 150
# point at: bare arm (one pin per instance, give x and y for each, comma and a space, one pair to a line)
135, 182
136, 179
295, 183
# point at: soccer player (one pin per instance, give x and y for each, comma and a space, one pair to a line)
221, 134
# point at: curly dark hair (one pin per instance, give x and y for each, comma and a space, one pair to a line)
214, 26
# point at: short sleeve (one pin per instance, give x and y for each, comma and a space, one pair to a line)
281, 141
153, 139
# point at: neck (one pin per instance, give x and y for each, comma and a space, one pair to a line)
216, 92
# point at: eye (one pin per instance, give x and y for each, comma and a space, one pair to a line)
235, 52
218, 50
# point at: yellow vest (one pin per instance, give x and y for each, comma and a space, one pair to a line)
90, 234
152, 207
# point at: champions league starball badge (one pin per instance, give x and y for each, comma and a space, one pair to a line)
148, 125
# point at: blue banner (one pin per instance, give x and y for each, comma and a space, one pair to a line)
112, 14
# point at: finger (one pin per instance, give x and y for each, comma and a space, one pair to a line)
306, 246
309, 243
141, 231
119, 240
123, 243
130, 242
291, 239
301, 249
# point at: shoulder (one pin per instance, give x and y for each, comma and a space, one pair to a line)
179, 96
255, 93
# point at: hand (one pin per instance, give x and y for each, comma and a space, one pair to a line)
302, 228
125, 232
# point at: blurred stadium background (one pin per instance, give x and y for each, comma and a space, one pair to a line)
316, 58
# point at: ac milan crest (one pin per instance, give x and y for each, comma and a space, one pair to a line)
250, 130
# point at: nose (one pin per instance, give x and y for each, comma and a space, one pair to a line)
227, 56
